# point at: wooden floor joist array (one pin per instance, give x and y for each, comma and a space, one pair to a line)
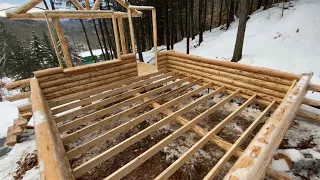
82, 108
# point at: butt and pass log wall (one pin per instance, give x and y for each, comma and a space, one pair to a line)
56, 86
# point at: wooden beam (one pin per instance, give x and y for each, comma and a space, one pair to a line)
259, 70
314, 87
155, 36
122, 36
62, 40
116, 36
54, 42
51, 154
186, 156
17, 84
133, 44
124, 170
255, 159
126, 5
29, 5
141, 7
19, 96
96, 5
98, 125
214, 171
98, 114
125, 98
78, 171
89, 92
77, 4
87, 4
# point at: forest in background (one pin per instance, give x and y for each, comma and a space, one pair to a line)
176, 19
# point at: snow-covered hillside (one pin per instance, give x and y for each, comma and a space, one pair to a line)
290, 43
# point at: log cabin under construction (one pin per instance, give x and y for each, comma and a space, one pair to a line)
77, 109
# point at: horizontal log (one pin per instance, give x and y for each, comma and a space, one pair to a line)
47, 72
128, 56
90, 67
229, 86
311, 102
117, 81
99, 68
78, 77
123, 74
18, 84
308, 114
259, 70
25, 107
234, 71
76, 81
22, 95
314, 87
235, 74
51, 154
255, 159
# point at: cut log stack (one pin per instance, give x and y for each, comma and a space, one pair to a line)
24, 114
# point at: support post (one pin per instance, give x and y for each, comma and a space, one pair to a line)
154, 28
122, 36
54, 42
133, 44
116, 37
62, 40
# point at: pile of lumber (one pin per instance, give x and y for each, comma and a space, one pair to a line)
24, 114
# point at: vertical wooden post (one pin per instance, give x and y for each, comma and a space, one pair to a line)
133, 44
62, 40
87, 4
54, 41
154, 28
122, 37
116, 37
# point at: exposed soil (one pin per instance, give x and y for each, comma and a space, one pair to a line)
28, 162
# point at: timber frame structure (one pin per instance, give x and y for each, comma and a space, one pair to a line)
70, 103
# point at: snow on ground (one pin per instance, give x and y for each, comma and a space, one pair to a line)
290, 43
95, 52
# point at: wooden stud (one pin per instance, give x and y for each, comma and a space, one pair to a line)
124, 170
133, 44
29, 5
87, 4
96, 5
122, 36
77, 4
214, 171
62, 40
116, 37
78, 171
155, 36
255, 159
182, 159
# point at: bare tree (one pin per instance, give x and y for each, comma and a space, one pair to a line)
237, 54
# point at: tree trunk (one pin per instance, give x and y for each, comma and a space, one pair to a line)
237, 54
138, 38
230, 13
191, 19
251, 6
87, 40
101, 47
108, 38
172, 24
212, 11
205, 16
200, 22
180, 19
104, 40
221, 3
188, 26
166, 25
259, 4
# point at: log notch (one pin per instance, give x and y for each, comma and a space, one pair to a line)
255, 159
51, 154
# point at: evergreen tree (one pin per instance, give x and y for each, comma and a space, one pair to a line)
50, 58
